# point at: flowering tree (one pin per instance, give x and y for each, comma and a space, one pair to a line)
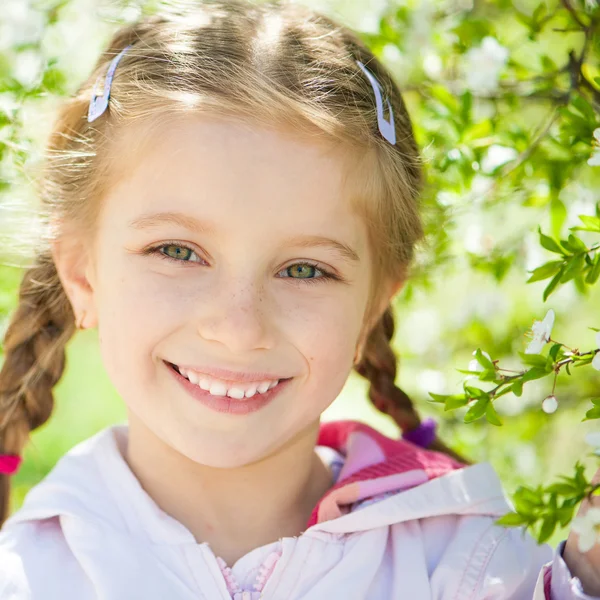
473, 82
505, 101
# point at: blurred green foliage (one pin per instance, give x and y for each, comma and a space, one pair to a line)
505, 101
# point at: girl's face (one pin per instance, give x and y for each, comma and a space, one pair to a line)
229, 247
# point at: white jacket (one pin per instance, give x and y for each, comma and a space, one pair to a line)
400, 523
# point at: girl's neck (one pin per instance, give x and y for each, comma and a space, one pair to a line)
233, 510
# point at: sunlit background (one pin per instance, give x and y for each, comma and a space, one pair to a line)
470, 291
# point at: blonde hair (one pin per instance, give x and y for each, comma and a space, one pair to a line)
273, 63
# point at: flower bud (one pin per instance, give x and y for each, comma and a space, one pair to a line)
550, 404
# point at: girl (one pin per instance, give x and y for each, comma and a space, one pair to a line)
233, 206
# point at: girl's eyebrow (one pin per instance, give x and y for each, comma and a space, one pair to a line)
196, 225
175, 218
309, 241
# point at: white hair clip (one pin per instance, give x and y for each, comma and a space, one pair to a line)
99, 101
387, 128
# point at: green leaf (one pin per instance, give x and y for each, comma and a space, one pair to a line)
546, 270
517, 387
593, 413
548, 64
467, 372
558, 215
447, 98
580, 479
577, 243
488, 375
507, 390
573, 268
547, 528
590, 224
465, 111
549, 243
565, 515
477, 131
553, 354
55, 81
438, 397
477, 410
553, 284
533, 360
534, 373
457, 401
594, 272
491, 415
584, 107
483, 360
512, 520
475, 392
527, 500
562, 488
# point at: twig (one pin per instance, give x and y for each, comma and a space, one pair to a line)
567, 5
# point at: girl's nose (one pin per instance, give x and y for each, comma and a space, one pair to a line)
238, 318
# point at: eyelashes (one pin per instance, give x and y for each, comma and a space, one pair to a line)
157, 250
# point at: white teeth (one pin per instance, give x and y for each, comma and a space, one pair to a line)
235, 393
263, 386
193, 377
218, 389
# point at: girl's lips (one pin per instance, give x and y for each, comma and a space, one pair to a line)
225, 404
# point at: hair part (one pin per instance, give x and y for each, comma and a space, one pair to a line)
275, 64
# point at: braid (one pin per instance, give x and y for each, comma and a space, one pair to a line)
379, 365
34, 347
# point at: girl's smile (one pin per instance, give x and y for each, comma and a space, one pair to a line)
219, 399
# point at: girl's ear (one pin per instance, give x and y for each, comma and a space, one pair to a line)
75, 271
392, 290
396, 288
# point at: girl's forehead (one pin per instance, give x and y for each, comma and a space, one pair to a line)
227, 156
210, 167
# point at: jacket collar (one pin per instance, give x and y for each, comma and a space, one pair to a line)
392, 480
403, 480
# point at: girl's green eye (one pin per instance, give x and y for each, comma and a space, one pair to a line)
303, 270
177, 252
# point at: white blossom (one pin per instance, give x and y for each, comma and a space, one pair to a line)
497, 155
594, 160
475, 366
588, 528
480, 186
21, 23
593, 439
421, 26
550, 404
541, 333
483, 65
28, 68
432, 64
